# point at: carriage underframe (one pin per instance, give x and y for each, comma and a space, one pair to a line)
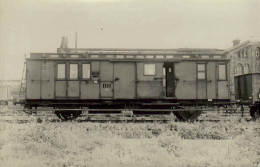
184, 110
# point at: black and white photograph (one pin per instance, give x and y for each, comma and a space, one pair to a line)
130, 83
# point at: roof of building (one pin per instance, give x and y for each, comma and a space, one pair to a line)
236, 46
241, 45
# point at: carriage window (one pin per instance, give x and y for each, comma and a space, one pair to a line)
217, 57
94, 56
130, 56
149, 69
169, 56
74, 56
120, 56
73, 71
149, 56
139, 56
201, 70
205, 56
186, 56
159, 56
86, 71
54, 56
106, 85
61, 71
222, 72
109, 56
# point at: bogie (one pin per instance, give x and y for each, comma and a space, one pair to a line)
65, 115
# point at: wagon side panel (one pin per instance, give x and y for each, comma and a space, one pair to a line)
237, 87
33, 79
47, 80
256, 87
248, 86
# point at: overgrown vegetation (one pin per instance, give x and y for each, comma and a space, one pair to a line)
127, 144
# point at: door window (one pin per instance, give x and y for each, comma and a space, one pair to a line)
73, 71
222, 72
61, 72
201, 71
85, 71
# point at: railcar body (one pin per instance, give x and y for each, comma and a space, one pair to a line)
125, 80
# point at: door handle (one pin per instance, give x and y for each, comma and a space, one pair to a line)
158, 78
40, 80
116, 79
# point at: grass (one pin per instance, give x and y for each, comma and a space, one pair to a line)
129, 144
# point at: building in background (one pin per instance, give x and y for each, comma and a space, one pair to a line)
245, 58
9, 89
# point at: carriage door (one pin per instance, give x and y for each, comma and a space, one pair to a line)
124, 80
67, 80
223, 88
73, 80
106, 79
170, 79
150, 80
201, 81
60, 80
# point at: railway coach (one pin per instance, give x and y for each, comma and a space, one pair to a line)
145, 82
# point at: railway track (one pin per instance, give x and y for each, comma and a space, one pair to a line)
14, 116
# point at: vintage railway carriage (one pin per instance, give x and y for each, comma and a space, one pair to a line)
137, 80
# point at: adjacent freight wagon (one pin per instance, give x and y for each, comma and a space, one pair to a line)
141, 81
247, 88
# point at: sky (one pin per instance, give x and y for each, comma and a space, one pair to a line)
37, 26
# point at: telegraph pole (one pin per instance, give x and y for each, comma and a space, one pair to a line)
76, 42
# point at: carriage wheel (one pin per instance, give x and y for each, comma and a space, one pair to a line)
255, 112
187, 115
68, 115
